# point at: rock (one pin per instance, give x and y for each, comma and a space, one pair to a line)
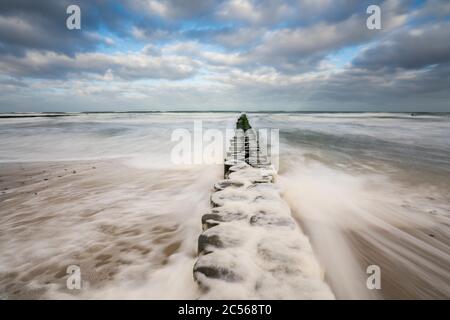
219, 215
219, 198
217, 238
239, 166
225, 214
227, 183
209, 220
205, 241
231, 163
218, 265
255, 175
271, 220
216, 272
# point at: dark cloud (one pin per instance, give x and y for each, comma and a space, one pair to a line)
41, 25
424, 91
411, 48
179, 9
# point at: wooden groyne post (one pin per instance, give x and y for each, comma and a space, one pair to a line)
250, 247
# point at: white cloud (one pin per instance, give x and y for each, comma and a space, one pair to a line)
127, 65
255, 12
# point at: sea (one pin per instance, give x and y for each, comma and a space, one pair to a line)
368, 189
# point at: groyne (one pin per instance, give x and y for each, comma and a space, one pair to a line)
251, 247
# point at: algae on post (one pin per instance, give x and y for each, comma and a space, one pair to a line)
243, 123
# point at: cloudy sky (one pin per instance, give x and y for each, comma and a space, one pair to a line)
224, 55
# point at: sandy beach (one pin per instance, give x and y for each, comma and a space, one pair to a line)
51, 219
55, 214
131, 219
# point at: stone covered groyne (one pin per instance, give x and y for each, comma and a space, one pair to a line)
251, 248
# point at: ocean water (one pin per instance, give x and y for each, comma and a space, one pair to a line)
367, 189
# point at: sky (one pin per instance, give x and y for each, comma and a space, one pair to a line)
249, 55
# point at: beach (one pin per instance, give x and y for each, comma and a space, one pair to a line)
113, 222
100, 191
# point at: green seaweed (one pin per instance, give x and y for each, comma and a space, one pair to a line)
242, 123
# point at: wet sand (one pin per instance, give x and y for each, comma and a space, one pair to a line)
112, 221
398, 220
118, 224
406, 277
407, 271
